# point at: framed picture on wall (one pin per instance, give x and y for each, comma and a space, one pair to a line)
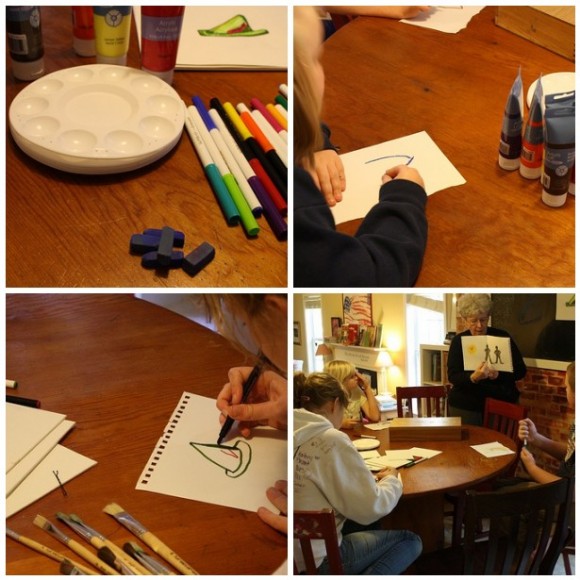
296, 333
356, 309
335, 326
371, 377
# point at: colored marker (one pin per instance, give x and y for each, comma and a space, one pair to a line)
22, 401
248, 220
259, 106
283, 90
278, 115
245, 188
279, 145
252, 158
281, 101
262, 140
276, 221
226, 203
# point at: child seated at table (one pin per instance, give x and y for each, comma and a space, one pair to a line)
359, 391
388, 248
330, 473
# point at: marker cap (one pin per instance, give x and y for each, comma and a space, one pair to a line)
166, 75
28, 71
553, 200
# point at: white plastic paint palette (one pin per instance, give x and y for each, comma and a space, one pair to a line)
97, 119
366, 444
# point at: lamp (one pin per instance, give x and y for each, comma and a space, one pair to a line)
383, 361
323, 350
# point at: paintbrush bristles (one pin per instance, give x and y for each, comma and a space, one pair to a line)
113, 509
42, 522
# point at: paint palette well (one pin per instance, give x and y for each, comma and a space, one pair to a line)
97, 119
366, 444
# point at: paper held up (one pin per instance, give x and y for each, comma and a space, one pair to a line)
364, 169
494, 350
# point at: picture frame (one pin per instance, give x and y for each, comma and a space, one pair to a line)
357, 309
335, 327
297, 335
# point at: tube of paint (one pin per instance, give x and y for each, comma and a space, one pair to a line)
160, 32
112, 30
572, 186
83, 30
559, 154
533, 141
24, 34
510, 144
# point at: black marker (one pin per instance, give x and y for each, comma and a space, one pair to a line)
247, 388
23, 401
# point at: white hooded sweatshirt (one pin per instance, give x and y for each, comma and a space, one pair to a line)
330, 473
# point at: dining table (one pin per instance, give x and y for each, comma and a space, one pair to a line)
69, 229
118, 366
457, 468
386, 79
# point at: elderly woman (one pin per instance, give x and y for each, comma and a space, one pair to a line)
472, 387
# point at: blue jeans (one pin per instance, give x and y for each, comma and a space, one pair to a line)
381, 552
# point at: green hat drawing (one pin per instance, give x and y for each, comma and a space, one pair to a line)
235, 26
234, 460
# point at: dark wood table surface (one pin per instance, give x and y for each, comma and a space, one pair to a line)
67, 230
386, 79
457, 468
117, 366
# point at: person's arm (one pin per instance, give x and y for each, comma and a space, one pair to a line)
527, 432
536, 473
370, 406
397, 12
278, 495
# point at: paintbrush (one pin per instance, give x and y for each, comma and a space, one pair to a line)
98, 540
42, 549
79, 549
149, 538
107, 555
69, 569
136, 552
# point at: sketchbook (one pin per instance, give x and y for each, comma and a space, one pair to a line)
188, 463
231, 38
494, 350
365, 167
26, 427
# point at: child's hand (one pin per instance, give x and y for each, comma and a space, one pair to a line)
362, 382
328, 175
386, 472
278, 495
266, 405
403, 172
527, 430
349, 423
527, 459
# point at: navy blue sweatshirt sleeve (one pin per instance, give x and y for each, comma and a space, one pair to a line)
387, 250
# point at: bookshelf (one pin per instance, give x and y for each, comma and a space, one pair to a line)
433, 359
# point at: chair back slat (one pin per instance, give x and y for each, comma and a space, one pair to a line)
433, 396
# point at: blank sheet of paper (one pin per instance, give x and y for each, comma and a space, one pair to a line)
364, 169
450, 19
235, 474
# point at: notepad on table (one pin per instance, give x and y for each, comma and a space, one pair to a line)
494, 449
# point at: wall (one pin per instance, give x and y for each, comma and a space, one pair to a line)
299, 351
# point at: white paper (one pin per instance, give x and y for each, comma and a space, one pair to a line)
269, 51
449, 19
24, 467
223, 476
377, 426
494, 350
42, 480
26, 427
494, 449
421, 452
364, 169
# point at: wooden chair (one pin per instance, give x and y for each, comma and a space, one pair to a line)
434, 398
528, 531
317, 525
569, 550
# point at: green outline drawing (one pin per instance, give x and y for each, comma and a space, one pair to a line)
234, 27
218, 455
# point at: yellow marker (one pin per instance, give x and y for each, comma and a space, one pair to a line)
277, 115
237, 121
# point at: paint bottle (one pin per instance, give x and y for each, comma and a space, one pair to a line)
572, 186
83, 30
559, 156
160, 32
112, 30
533, 141
24, 34
510, 144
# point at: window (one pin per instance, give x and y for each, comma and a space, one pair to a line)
313, 332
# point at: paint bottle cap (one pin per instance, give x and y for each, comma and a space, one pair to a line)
84, 46
508, 164
166, 75
120, 60
530, 172
553, 200
28, 71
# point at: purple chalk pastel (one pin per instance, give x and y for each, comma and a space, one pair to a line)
151, 260
165, 247
197, 260
178, 237
141, 244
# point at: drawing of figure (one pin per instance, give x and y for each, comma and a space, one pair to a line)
497, 353
488, 353
233, 459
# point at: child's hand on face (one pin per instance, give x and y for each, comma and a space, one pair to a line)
328, 175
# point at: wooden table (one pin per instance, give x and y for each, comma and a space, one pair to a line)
386, 79
457, 468
118, 366
67, 230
